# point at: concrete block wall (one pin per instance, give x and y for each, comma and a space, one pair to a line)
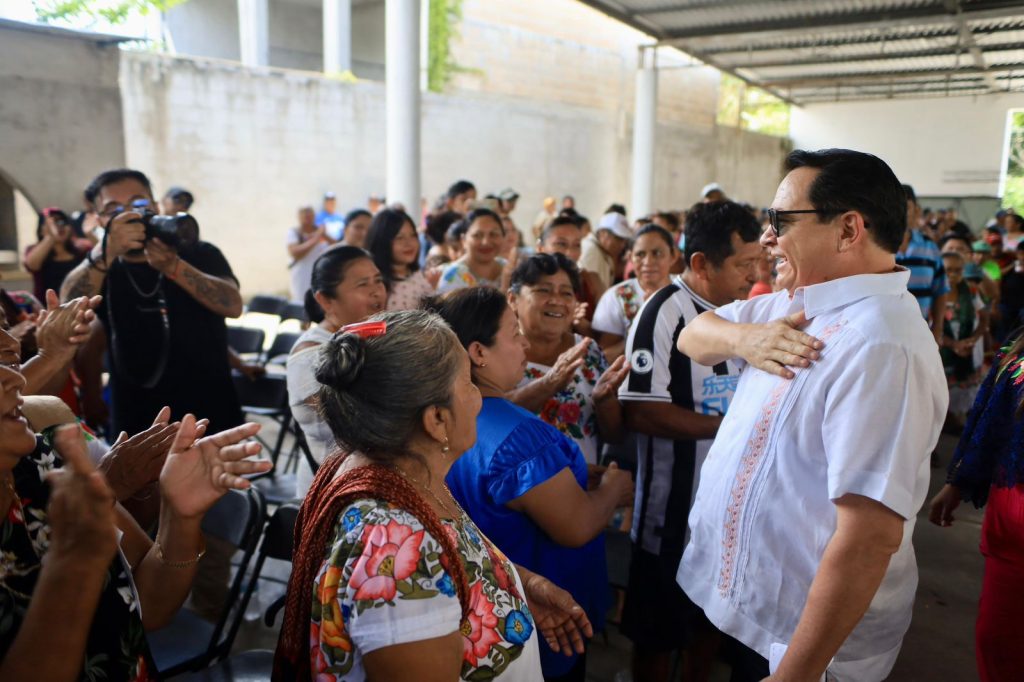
254, 145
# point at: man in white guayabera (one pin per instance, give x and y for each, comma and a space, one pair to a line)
800, 534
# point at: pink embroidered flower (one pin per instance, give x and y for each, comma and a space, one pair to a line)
479, 631
569, 413
390, 553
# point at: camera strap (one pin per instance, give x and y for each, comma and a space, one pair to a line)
154, 302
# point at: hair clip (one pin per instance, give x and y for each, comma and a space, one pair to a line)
366, 330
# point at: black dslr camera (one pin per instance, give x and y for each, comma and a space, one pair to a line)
177, 231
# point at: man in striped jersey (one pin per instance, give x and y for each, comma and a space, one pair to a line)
921, 256
675, 406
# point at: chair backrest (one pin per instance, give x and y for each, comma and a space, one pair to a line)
266, 392
268, 305
303, 445
281, 347
237, 518
278, 543
245, 340
294, 311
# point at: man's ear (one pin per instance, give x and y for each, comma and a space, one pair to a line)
699, 264
851, 230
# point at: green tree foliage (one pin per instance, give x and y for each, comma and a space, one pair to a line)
1013, 191
748, 108
444, 19
111, 11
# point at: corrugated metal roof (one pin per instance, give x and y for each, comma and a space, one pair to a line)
817, 50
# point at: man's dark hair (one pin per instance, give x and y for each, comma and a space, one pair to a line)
954, 237
180, 196
109, 177
538, 265
709, 230
616, 208
459, 187
855, 181
671, 218
1017, 219
910, 193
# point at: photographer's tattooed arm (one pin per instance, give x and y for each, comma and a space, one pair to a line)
85, 280
219, 295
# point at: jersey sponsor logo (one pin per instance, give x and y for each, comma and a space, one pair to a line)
642, 361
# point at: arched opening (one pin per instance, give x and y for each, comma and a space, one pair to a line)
18, 221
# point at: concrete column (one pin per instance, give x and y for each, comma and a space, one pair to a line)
402, 83
337, 36
254, 32
645, 123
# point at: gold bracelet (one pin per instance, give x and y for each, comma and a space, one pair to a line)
178, 564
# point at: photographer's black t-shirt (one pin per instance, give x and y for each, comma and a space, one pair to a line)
166, 348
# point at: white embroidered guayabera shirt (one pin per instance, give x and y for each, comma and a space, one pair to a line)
863, 420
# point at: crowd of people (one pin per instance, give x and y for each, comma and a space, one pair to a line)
755, 394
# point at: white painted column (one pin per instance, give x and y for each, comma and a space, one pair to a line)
253, 32
337, 36
402, 87
645, 123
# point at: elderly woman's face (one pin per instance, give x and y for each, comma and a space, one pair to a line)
546, 308
16, 438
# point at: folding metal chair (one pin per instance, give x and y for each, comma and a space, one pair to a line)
191, 642
267, 305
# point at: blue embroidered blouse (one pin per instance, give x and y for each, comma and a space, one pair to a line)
514, 452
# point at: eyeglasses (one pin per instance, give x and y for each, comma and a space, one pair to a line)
773, 218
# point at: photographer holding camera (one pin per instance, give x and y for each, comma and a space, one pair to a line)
166, 294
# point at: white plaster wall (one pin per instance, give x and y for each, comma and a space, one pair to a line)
942, 146
60, 112
255, 145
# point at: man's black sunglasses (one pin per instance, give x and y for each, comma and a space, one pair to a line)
773, 218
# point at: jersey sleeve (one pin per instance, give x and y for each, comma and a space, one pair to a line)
382, 584
649, 349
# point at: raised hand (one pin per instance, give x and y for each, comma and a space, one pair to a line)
776, 346
560, 620
125, 232
559, 376
608, 385
62, 328
133, 463
81, 509
199, 470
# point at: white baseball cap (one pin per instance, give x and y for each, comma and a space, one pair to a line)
711, 187
617, 224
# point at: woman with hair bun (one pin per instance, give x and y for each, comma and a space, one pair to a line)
391, 579
346, 287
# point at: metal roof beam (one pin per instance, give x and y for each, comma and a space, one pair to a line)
850, 21
850, 79
968, 43
874, 57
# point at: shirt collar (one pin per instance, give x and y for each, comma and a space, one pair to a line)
839, 293
702, 302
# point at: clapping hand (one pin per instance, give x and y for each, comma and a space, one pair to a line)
559, 619
559, 376
133, 463
608, 385
198, 472
60, 329
81, 508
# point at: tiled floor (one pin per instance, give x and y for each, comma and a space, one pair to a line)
939, 645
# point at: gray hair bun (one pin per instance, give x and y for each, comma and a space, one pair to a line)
341, 360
